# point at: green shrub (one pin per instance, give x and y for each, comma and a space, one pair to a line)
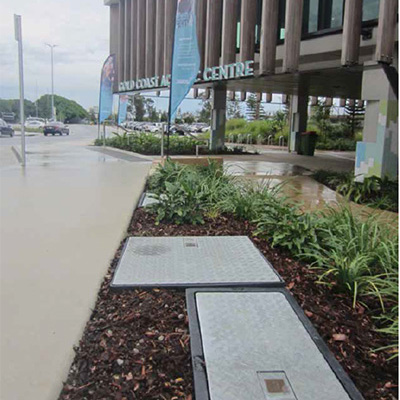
340, 144
347, 250
375, 192
253, 131
234, 124
150, 144
286, 226
247, 200
186, 193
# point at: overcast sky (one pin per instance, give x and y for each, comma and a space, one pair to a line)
81, 30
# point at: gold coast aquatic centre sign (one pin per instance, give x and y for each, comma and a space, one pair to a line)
229, 71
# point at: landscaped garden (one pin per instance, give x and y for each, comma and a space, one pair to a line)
335, 132
342, 270
150, 144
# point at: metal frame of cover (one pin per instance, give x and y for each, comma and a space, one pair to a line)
201, 387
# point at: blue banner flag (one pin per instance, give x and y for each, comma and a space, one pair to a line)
185, 57
122, 108
106, 88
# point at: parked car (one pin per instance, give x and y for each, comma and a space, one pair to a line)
55, 128
34, 123
152, 128
178, 129
6, 129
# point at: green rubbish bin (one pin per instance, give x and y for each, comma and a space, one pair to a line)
308, 142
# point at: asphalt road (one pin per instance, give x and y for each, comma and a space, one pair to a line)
85, 133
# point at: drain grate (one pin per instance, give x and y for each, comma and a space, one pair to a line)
257, 344
193, 261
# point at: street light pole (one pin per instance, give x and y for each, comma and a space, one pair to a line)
18, 38
52, 79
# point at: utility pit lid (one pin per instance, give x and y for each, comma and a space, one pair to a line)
193, 261
257, 344
147, 199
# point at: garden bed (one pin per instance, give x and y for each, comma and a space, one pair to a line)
136, 343
381, 193
150, 144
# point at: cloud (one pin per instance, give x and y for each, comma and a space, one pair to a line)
80, 28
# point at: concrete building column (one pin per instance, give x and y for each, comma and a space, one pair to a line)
160, 29
213, 32
134, 43
377, 154
127, 39
121, 42
201, 25
114, 38
150, 38
298, 118
141, 40
169, 26
229, 31
218, 118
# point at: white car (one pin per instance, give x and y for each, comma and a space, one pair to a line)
34, 123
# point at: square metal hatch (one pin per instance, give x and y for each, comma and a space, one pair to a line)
193, 261
254, 343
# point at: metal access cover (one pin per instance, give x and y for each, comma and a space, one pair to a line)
193, 261
147, 200
257, 344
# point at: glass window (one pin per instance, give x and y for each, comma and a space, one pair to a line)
336, 17
258, 23
370, 10
313, 16
281, 19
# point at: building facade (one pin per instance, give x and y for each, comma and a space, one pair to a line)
343, 49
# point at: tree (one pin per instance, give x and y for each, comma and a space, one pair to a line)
13, 106
178, 116
279, 120
92, 115
152, 114
321, 115
188, 118
355, 112
254, 107
66, 110
138, 107
205, 112
164, 116
234, 110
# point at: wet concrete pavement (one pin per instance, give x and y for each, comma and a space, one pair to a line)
62, 218
329, 160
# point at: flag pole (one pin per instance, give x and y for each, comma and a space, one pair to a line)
170, 84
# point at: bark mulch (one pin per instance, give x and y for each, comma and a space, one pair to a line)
136, 343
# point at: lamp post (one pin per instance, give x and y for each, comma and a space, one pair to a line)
52, 79
18, 38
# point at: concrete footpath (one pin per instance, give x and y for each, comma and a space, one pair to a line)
62, 219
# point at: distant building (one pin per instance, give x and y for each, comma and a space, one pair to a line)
8, 116
302, 49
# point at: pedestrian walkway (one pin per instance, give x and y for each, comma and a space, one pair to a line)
62, 219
